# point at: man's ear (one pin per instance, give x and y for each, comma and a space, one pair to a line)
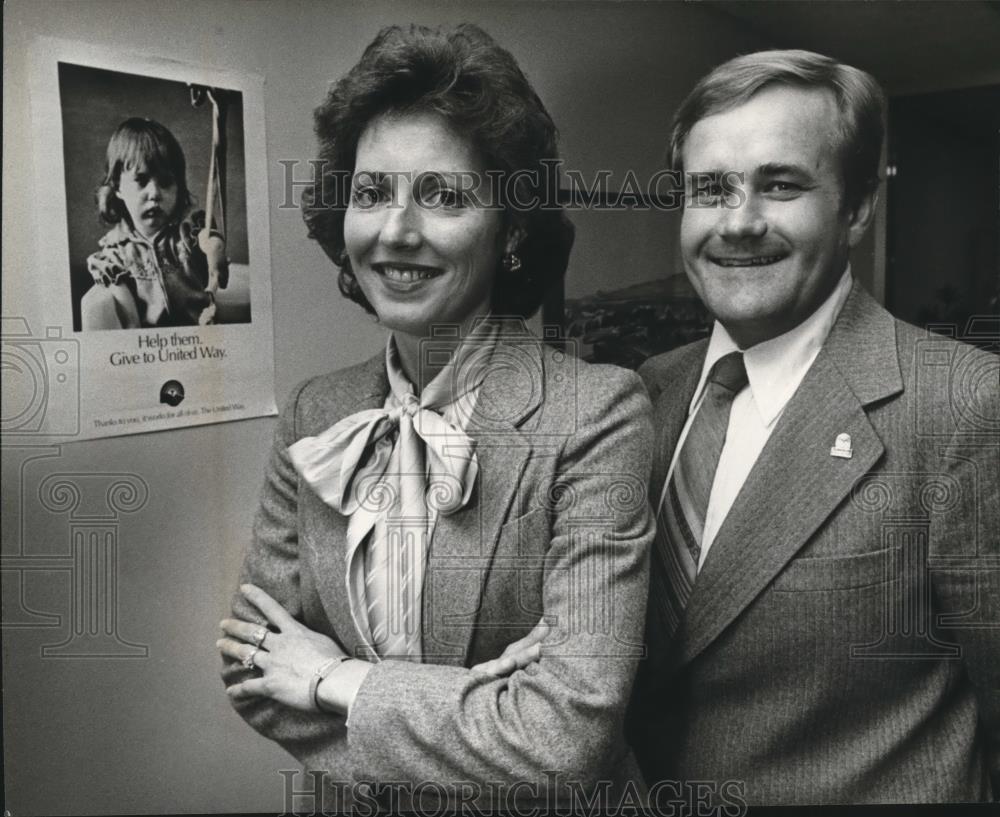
861, 218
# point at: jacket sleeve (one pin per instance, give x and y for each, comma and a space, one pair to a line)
316, 739
566, 712
648, 374
964, 506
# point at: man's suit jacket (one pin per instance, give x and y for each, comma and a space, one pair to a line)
842, 640
558, 524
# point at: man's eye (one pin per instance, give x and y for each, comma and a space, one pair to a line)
704, 194
782, 188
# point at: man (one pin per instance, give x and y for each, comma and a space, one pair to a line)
824, 605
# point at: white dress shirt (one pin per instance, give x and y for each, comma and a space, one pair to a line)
775, 369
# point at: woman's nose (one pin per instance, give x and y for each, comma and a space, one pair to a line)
153, 189
401, 227
746, 220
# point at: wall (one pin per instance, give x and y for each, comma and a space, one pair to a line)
156, 734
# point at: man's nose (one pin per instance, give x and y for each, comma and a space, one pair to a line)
744, 221
153, 189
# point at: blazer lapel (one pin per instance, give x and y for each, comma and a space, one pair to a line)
364, 388
796, 483
464, 542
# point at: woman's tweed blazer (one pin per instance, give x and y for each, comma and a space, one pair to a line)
558, 524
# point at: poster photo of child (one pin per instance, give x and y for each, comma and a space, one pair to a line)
151, 261
155, 201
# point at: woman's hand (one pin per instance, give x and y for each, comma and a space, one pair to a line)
518, 654
287, 653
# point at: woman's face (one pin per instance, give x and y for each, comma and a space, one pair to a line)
424, 251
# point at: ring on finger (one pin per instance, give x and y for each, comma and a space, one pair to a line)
259, 636
248, 661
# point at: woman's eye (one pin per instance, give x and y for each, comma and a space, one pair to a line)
365, 196
443, 197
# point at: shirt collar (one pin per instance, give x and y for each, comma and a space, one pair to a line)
463, 374
776, 367
124, 232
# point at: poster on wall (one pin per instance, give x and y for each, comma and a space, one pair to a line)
152, 269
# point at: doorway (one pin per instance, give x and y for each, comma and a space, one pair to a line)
943, 210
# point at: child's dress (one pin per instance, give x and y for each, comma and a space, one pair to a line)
167, 275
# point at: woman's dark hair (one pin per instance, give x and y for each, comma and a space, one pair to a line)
147, 144
478, 88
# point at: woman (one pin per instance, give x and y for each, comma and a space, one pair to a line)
433, 503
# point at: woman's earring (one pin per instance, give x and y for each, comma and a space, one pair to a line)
511, 262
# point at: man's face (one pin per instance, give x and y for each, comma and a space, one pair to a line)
765, 266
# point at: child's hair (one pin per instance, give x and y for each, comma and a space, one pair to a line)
147, 144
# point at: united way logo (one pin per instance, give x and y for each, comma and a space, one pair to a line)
172, 393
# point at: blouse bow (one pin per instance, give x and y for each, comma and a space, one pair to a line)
346, 464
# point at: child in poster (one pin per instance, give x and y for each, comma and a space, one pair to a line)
158, 264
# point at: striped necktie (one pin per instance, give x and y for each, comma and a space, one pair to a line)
680, 518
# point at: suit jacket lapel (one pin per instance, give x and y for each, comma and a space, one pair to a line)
796, 483
464, 542
672, 389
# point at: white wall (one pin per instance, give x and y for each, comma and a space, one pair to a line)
156, 734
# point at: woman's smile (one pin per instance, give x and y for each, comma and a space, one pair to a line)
405, 277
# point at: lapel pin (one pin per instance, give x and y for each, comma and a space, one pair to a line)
842, 447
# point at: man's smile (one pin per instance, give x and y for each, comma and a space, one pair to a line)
746, 260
